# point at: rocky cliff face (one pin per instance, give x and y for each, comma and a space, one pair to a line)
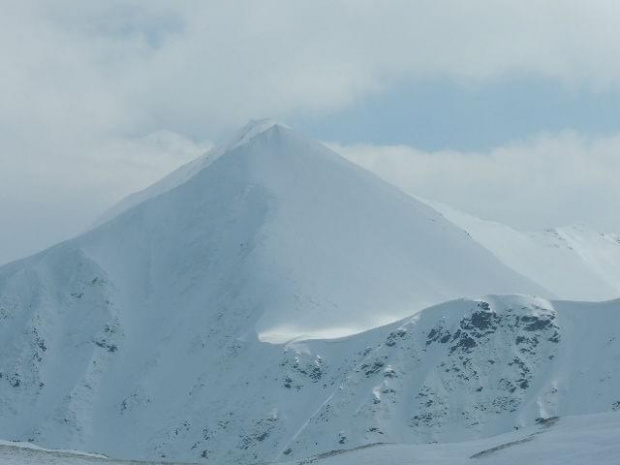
466, 369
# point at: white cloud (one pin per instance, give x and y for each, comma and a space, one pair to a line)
550, 180
51, 195
202, 66
81, 80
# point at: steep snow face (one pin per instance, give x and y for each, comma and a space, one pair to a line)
142, 337
463, 370
468, 369
296, 238
187, 171
575, 263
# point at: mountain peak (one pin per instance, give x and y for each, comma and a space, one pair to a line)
252, 129
310, 243
268, 239
242, 136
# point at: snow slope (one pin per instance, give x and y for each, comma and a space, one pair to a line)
463, 370
563, 441
145, 337
468, 369
303, 241
20, 453
566, 441
187, 171
573, 262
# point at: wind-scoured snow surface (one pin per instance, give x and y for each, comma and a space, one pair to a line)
187, 171
574, 262
173, 331
286, 232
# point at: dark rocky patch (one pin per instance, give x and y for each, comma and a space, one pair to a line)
394, 336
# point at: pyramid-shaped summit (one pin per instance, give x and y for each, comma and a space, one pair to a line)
300, 241
287, 234
160, 308
179, 176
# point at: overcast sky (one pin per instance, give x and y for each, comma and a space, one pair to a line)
509, 109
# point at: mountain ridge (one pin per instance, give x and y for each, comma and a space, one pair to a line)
285, 183
574, 262
221, 320
188, 170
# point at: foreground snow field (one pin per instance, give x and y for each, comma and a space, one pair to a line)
586, 439
566, 441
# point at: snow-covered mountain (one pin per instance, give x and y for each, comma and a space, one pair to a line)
187, 171
173, 329
463, 370
574, 262
287, 232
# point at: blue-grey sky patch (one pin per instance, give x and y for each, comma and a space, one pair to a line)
447, 115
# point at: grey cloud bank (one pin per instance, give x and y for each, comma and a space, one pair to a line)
548, 181
88, 88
